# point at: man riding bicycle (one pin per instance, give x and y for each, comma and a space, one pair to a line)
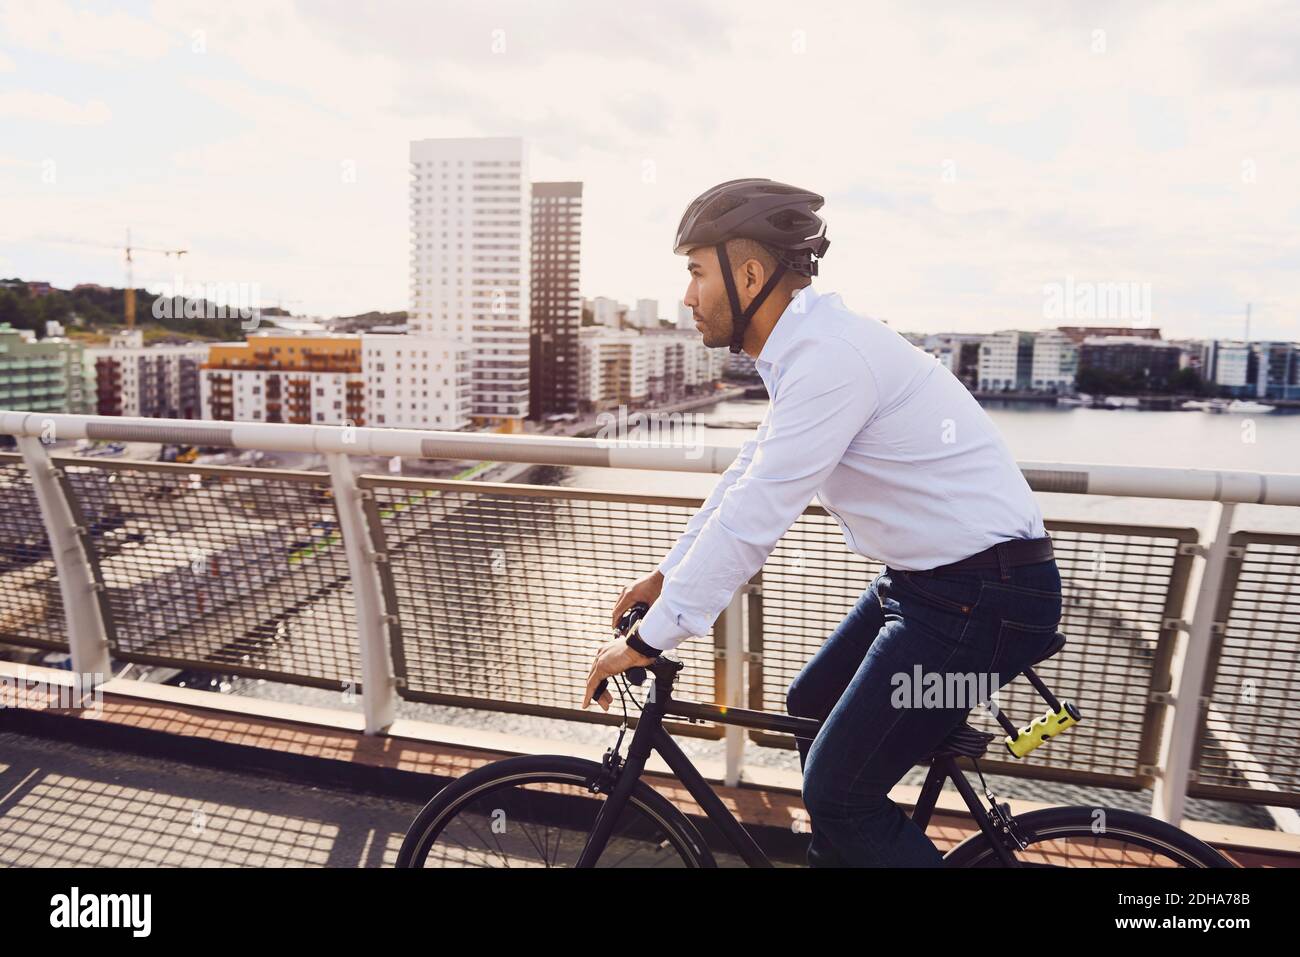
916, 475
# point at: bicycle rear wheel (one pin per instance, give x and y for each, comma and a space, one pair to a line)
1077, 837
537, 811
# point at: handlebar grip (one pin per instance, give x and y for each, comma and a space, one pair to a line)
635, 675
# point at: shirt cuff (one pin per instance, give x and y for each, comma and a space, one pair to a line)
670, 561
658, 631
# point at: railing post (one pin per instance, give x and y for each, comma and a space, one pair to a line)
87, 634
1191, 659
378, 688
734, 696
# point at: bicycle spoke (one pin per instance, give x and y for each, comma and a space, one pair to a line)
464, 845
529, 835
533, 832
500, 850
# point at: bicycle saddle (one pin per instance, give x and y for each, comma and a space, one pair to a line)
1057, 644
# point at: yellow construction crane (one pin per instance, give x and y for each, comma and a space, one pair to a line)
129, 304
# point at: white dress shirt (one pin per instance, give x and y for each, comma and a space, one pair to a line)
892, 444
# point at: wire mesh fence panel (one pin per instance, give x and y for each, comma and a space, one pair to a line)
1120, 585
1247, 742
31, 606
222, 570
1116, 584
810, 582
505, 594
500, 596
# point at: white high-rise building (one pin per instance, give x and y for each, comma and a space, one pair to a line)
470, 237
685, 316
1231, 363
606, 311
613, 368
1055, 363
1006, 360
416, 382
647, 313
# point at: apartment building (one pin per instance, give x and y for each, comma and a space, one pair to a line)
1077, 334
1146, 360
1006, 361
1055, 362
160, 381
679, 365
608, 312
1278, 370
42, 375
470, 219
646, 314
556, 311
613, 369
391, 381
417, 382
285, 377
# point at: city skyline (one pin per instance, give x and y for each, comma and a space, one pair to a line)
1146, 158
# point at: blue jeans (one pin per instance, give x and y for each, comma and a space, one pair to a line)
972, 631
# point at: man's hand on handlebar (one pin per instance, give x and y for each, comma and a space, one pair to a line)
613, 658
646, 589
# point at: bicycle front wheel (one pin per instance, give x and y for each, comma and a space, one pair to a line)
1092, 837
537, 811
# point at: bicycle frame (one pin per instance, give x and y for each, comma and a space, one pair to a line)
650, 735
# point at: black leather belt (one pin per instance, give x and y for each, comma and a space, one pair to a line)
1008, 554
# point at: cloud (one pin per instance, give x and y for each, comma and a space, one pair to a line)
48, 108
1110, 141
81, 34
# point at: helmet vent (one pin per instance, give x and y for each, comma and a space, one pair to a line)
720, 207
788, 220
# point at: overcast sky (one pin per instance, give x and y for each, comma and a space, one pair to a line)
969, 153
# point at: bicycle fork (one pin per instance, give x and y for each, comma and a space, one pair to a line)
623, 775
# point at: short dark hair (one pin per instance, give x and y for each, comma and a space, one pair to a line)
742, 248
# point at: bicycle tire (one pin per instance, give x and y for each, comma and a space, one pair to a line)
1051, 824
443, 807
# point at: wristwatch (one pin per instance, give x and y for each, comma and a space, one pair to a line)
635, 642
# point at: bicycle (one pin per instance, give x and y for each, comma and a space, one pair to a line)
532, 810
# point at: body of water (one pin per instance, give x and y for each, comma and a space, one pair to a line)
1039, 433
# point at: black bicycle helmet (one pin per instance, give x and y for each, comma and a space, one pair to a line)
782, 218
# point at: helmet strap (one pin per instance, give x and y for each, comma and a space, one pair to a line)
739, 320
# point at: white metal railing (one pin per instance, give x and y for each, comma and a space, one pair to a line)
35, 432
1208, 485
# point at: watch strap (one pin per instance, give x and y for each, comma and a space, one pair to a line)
637, 644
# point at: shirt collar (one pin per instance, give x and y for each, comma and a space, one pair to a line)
801, 303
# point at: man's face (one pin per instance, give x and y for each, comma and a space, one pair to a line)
706, 296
